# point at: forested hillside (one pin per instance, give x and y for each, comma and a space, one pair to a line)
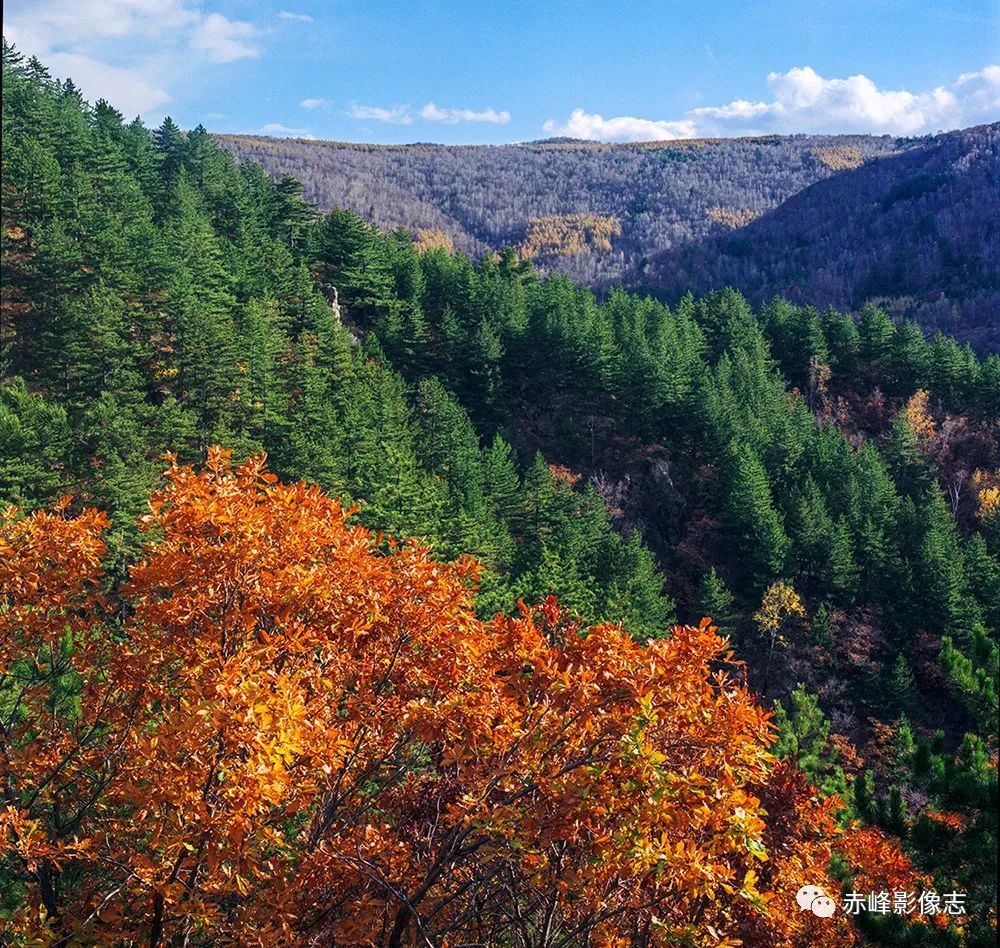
236, 707
906, 224
658, 194
916, 232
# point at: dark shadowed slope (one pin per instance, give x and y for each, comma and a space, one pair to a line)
917, 232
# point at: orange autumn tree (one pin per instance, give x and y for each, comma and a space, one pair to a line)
277, 733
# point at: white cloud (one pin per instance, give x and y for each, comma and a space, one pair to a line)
401, 115
298, 17
314, 103
283, 131
51, 22
803, 101
394, 115
127, 50
128, 90
452, 116
622, 128
223, 40
980, 93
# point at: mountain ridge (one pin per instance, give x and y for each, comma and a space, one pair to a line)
689, 214
484, 195
914, 232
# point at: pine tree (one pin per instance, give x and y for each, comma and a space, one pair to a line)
902, 685
290, 215
982, 570
715, 601
876, 332
354, 259
448, 447
822, 626
502, 486
542, 516
261, 389
412, 336
989, 386
879, 572
843, 342
974, 678
174, 430
34, 447
169, 142
486, 352
864, 798
200, 307
804, 737
814, 532
952, 368
635, 596
112, 445
447, 443
756, 525
559, 576
801, 342
843, 570
911, 469
910, 358
404, 501
891, 812
942, 589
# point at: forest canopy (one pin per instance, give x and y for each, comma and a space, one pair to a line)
273, 732
445, 670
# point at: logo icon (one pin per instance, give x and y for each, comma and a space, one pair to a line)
811, 898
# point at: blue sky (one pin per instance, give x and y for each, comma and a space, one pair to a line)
471, 71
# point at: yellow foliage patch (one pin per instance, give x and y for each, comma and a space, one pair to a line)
918, 416
562, 235
987, 484
839, 157
732, 217
781, 602
432, 238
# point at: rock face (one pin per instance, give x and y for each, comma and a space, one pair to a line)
662, 497
644, 497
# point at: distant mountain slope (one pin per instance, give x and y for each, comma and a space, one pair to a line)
659, 194
912, 224
917, 232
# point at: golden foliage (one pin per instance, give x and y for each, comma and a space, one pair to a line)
820, 374
987, 484
780, 603
563, 475
276, 732
432, 238
732, 217
918, 417
989, 501
562, 235
839, 157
